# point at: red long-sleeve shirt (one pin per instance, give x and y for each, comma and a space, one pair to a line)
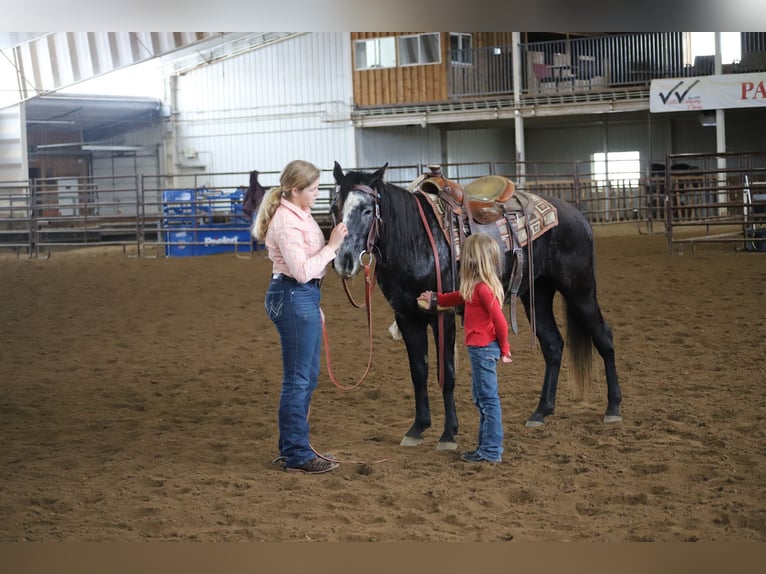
484, 321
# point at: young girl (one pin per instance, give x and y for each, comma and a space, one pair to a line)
486, 336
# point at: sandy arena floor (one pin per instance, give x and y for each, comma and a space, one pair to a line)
138, 401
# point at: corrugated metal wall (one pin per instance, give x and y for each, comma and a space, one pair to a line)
409, 145
576, 139
265, 108
479, 145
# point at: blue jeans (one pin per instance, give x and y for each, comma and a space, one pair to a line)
294, 309
486, 398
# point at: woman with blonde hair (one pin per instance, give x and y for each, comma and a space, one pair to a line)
297, 249
486, 336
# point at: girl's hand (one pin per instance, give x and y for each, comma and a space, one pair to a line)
507, 358
424, 300
337, 235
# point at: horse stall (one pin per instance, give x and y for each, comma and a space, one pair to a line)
714, 198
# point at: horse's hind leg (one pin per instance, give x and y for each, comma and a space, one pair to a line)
551, 345
584, 309
415, 337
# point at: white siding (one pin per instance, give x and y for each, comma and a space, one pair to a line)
13, 160
262, 109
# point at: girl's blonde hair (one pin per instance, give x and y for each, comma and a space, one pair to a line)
480, 262
297, 174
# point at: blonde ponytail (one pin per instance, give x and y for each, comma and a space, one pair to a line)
266, 211
298, 174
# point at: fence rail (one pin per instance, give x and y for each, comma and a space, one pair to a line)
722, 192
722, 201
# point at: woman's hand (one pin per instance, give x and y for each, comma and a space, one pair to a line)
507, 358
337, 235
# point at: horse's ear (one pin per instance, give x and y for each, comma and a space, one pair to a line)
378, 175
337, 172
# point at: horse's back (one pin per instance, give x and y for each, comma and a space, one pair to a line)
564, 254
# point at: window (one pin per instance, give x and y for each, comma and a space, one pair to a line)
375, 53
703, 44
619, 168
460, 48
420, 49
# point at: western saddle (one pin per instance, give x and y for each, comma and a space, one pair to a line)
492, 205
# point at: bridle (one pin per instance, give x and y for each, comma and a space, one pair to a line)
369, 280
372, 238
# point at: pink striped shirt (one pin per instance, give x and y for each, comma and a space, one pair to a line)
296, 244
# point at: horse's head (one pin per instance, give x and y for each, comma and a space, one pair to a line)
356, 203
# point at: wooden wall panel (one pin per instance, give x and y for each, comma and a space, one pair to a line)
401, 84
63, 165
412, 84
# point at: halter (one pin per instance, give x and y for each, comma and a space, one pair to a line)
372, 236
374, 233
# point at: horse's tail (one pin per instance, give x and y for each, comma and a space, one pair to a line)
580, 354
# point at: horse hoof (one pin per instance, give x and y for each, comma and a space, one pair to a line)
446, 446
409, 441
533, 424
612, 419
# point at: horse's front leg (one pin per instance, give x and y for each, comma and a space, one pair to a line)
445, 348
552, 347
415, 338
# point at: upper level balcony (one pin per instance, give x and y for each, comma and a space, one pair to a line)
613, 71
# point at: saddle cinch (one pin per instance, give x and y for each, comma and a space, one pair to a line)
492, 205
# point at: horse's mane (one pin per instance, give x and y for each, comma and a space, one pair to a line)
403, 228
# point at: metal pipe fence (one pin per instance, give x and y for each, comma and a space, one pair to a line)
721, 199
166, 215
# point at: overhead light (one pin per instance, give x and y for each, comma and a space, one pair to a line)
53, 122
104, 147
47, 146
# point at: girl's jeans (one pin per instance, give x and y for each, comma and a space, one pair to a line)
294, 309
485, 396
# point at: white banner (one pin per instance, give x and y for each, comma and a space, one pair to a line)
708, 93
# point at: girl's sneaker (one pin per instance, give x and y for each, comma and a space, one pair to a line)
474, 456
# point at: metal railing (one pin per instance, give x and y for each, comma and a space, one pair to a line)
721, 199
584, 65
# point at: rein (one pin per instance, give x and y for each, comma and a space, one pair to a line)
369, 284
440, 316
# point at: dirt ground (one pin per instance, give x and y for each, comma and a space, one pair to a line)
138, 402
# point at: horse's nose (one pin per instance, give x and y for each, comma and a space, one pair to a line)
347, 263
